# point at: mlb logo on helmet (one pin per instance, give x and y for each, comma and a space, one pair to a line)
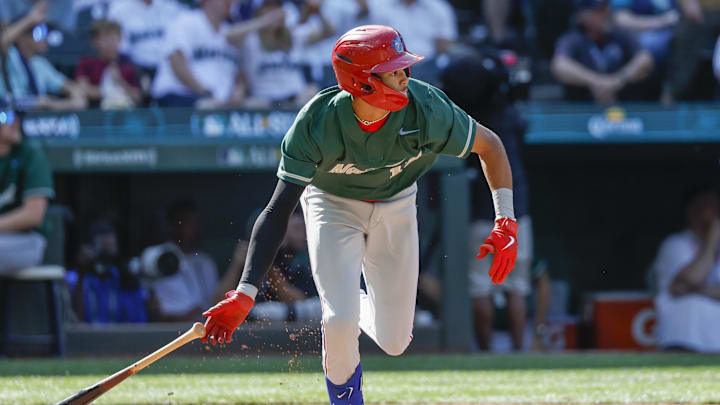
397, 45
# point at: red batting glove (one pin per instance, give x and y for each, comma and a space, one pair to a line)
226, 316
503, 243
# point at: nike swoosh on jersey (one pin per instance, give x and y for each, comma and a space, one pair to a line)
402, 131
512, 240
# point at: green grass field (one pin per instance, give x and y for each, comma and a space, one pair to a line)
567, 378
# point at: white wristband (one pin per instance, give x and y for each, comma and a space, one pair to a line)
247, 289
503, 202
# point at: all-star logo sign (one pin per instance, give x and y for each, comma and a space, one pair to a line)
397, 45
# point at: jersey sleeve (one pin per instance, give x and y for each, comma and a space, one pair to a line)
179, 37
300, 155
47, 76
37, 180
451, 130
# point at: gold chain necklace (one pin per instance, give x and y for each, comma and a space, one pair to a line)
368, 123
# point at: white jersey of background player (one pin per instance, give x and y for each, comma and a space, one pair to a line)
144, 24
213, 62
273, 57
352, 158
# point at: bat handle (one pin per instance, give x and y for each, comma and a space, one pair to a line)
195, 332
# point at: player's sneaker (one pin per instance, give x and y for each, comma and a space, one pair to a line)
349, 393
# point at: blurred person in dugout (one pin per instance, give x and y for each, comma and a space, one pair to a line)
486, 98
652, 22
184, 278
26, 187
687, 272
200, 67
33, 81
595, 61
102, 287
695, 35
288, 292
108, 78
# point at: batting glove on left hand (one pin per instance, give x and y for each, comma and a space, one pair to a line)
226, 316
503, 243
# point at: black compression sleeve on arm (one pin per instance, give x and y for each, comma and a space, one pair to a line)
269, 231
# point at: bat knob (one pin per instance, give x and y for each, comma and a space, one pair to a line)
198, 329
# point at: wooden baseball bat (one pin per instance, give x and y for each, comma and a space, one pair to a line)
91, 393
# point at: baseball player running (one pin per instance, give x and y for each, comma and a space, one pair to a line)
352, 158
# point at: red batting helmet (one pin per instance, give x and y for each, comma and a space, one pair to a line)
364, 51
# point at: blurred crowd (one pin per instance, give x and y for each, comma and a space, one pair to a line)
276, 53
485, 54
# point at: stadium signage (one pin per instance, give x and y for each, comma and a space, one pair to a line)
84, 158
614, 122
249, 156
56, 126
242, 124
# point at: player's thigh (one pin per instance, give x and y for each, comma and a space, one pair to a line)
336, 245
20, 250
391, 260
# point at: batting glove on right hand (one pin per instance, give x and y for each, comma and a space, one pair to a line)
503, 243
226, 316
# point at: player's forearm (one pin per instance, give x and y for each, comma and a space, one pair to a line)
27, 216
571, 72
183, 73
493, 158
712, 291
13, 31
692, 277
630, 21
638, 68
269, 231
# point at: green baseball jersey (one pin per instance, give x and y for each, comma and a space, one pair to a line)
327, 148
24, 172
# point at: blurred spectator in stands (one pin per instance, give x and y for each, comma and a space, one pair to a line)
33, 81
200, 67
108, 79
651, 21
479, 85
692, 48
288, 293
103, 288
429, 28
60, 13
186, 278
716, 59
144, 26
321, 22
687, 270
26, 186
275, 73
598, 62
497, 13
